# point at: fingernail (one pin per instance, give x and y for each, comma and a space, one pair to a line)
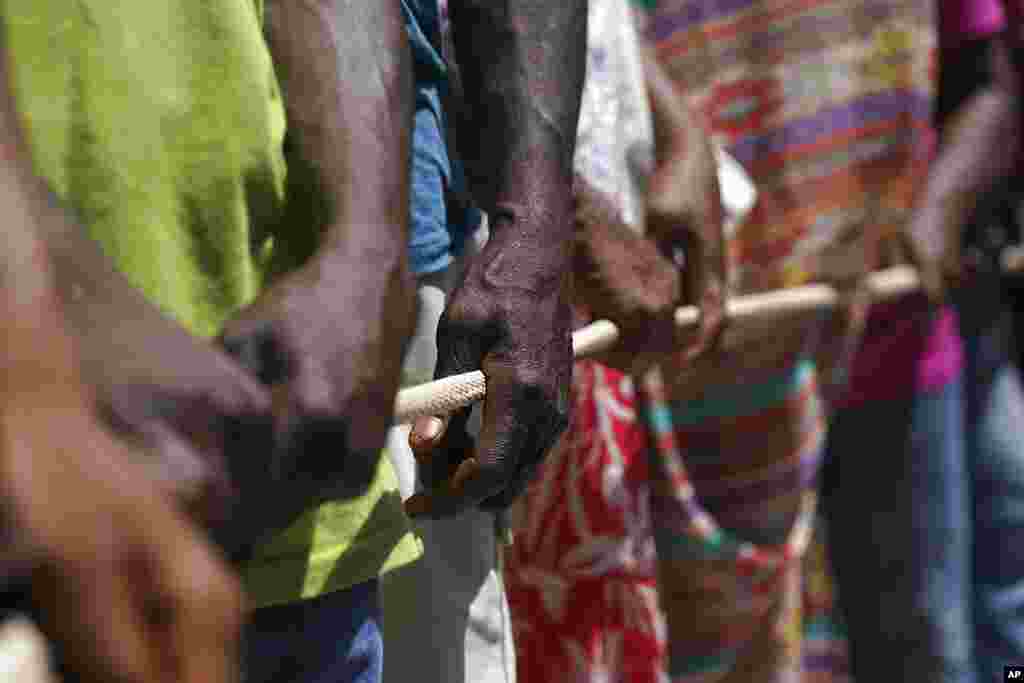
417, 505
427, 429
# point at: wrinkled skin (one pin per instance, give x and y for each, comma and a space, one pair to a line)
520, 338
634, 281
328, 337
521, 68
621, 276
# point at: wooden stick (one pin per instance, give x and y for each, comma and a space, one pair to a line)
447, 395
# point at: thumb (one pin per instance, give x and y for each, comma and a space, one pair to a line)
426, 434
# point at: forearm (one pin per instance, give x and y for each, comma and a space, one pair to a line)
37, 352
981, 144
522, 67
669, 114
685, 186
345, 72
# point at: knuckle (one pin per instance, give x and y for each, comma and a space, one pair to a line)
461, 318
533, 384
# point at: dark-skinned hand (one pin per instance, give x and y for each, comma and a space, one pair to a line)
683, 208
637, 282
331, 348
516, 329
621, 276
172, 395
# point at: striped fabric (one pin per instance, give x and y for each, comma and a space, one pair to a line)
827, 104
707, 533
733, 512
823, 102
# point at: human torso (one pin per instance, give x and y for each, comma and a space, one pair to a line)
160, 123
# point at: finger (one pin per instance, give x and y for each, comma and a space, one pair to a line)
433, 503
520, 424
928, 271
438, 465
426, 435
956, 271
253, 345
468, 486
208, 612
178, 470
90, 610
713, 323
418, 505
460, 487
441, 444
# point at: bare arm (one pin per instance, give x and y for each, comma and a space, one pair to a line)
103, 547
521, 64
330, 334
684, 202
345, 70
980, 146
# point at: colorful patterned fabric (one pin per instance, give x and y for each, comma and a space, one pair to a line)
730, 524
734, 501
585, 572
828, 106
161, 125
581, 575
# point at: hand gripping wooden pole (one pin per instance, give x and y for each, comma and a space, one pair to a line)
447, 395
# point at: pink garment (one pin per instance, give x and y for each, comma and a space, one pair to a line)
967, 19
898, 350
906, 349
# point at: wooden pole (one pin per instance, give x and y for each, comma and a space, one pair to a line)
447, 395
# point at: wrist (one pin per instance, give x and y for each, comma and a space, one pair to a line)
524, 255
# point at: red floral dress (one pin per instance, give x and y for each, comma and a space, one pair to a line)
580, 574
